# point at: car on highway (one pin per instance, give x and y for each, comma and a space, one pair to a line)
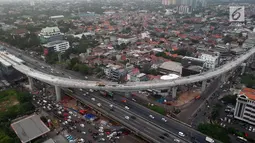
127, 117
83, 133
99, 104
165, 134
162, 137
164, 119
126, 107
82, 125
93, 99
177, 140
133, 117
152, 117
181, 134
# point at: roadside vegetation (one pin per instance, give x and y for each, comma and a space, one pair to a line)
157, 109
248, 80
222, 134
215, 131
13, 104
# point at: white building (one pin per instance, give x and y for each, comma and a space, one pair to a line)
211, 60
245, 106
184, 9
50, 31
57, 17
127, 40
58, 46
84, 34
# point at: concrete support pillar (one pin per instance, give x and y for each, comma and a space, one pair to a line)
243, 68
31, 83
127, 94
174, 92
203, 85
58, 93
223, 77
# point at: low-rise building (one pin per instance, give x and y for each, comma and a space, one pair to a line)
57, 46
245, 106
170, 67
50, 31
115, 72
211, 60
127, 40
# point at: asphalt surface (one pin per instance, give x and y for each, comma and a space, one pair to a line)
139, 125
63, 82
172, 126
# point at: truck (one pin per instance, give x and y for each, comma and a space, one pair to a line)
210, 140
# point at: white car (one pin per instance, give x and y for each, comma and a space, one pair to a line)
82, 125
91, 90
84, 94
101, 134
177, 140
152, 117
163, 119
126, 107
83, 133
93, 99
80, 89
181, 134
250, 128
127, 117
99, 104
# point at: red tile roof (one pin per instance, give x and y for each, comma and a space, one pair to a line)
249, 92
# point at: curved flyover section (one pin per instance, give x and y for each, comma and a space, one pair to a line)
132, 86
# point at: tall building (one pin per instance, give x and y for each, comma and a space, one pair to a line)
245, 106
169, 2
194, 3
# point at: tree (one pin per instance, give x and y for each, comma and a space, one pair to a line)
229, 99
76, 67
84, 69
24, 97
248, 80
52, 57
183, 52
216, 111
214, 131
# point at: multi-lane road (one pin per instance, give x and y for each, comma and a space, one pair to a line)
141, 125
134, 86
143, 120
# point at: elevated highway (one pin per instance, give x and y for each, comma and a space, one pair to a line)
132, 86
